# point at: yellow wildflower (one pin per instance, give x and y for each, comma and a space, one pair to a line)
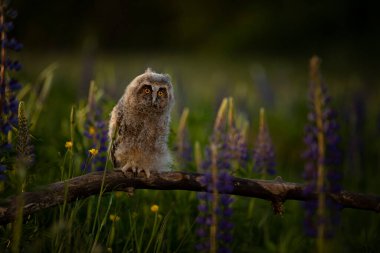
68, 144
91, 130
93, 152
154, 208
118, 194
114, 217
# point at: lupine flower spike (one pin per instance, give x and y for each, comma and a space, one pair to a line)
263, 153
24, 148
322, 156
8, 84
198, 156
183, 147
214, 208
25, 153
95, 129
236, 142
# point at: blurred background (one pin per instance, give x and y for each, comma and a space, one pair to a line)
221, 27
255, 51
221, 41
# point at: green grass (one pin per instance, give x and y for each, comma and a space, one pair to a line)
200, 84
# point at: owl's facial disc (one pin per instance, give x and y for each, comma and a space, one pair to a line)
160, 97
154, 96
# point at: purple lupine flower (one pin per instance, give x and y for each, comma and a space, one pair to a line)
322, 157
96, 131
8, 84
237, 145
263, 153
236, 141
215, 207
3, 170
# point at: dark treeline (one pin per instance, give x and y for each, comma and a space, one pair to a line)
219, 25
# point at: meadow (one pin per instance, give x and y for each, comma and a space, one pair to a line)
165, 221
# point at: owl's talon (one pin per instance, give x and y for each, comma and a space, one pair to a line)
127, 170
134, 171
146, 172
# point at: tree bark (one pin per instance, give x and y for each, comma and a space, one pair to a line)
277, 191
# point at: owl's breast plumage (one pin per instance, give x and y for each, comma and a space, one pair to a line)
141, 123
141, 139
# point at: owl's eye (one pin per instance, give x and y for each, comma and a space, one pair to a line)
160, 93
146, 90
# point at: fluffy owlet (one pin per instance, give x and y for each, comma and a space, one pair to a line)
139, 125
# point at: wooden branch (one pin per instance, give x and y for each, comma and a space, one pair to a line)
84, 186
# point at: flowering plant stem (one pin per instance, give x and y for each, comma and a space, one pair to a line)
17, 225
321, 157
154, 232
214, 218
72, 125
3, 58
99, 201
102, 190
94, 244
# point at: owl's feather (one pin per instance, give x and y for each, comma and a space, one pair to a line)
140, 121
114, 128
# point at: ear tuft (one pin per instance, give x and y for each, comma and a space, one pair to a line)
148, 70
168, 77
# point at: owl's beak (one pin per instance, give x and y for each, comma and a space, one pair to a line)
154, 98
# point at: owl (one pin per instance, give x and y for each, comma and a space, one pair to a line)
139, 125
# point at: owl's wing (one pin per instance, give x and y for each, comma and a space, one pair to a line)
114, 130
